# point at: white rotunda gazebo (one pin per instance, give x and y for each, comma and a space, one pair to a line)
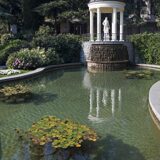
106, 6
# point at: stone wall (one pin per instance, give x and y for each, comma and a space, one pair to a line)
108, 53
104, 57
85, 52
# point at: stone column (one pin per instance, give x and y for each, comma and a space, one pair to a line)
91, 25
114, 24
121, 25
98, 24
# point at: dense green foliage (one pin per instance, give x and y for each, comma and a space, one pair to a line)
32, 58
43, 50
147, 46
10, 10
63, 10
30, 14
67, 46
63, 134
9, 47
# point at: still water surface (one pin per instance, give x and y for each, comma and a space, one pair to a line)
116, 107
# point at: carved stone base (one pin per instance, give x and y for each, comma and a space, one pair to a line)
107, 57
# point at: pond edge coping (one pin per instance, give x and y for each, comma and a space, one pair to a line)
38, 71
154, 95
154, 99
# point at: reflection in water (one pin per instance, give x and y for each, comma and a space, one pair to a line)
105, 97
113, 100
116, 149
101, 98
120, 98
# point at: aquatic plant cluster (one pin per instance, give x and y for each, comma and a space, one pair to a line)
61, 133
13, 94
139, 74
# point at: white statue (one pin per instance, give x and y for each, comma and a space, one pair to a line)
106, 29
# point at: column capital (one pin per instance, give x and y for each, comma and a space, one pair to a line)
91, 10
114, 9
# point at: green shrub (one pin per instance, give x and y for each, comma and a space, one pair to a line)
9, 48
147, 46
3, 27
43, 42
5, 38
43, 38
67, 46
32, 58
44, 31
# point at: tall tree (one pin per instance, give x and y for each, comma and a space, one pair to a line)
10, 10
31, 19
63, 10
76, 9
53, 10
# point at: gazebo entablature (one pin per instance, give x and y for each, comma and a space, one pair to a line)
105, 6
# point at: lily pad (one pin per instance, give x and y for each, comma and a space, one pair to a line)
62, 134
138, 74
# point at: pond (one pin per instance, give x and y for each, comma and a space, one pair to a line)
115, 107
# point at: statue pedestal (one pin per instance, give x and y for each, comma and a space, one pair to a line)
106, 37
105, 57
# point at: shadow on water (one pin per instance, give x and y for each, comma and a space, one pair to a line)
43, 98
36, 99
111, 148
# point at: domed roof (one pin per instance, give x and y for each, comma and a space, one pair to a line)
91, 1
